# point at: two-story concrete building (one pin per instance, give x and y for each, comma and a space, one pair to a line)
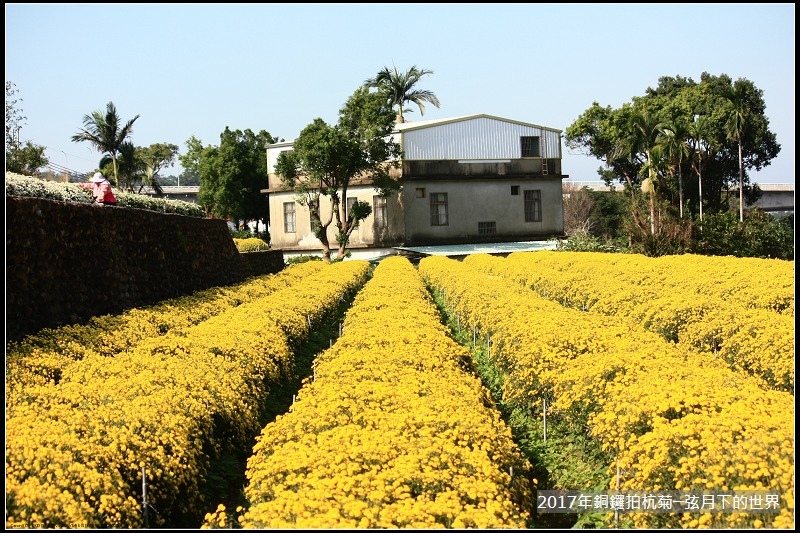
477, 178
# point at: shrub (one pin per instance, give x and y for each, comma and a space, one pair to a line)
584, 242
760, 235
251, 244
19, 185
302, 259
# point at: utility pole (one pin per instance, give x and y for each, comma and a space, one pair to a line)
66, 166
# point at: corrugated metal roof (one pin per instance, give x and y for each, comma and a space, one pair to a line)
403, 126
478, 138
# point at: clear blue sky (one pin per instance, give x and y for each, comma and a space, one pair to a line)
193, 69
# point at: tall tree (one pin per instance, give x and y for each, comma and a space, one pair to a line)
644, 134
325, 159
399, 87
233, 175
678, 150
104, 133
256, 203
129, 166
698, 133
154, 158
14, 117
23, 158
190, 161
599, 129
26, 158
735, 128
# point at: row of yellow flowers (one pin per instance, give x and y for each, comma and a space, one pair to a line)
731, 279
673, 419
391, 431
166, 407
41, 357
687, 299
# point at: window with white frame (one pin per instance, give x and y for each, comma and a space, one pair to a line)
438, 208
530, 146
379, 211
315, 224
350, 203
533, 206
289, 221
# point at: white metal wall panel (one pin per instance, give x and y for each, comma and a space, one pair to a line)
476, 139
273, 151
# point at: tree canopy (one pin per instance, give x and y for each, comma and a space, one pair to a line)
325, 159
139, 166
682, 149
23, 158
677, 103
232, 175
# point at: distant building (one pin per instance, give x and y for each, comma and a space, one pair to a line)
470, 179
186, 193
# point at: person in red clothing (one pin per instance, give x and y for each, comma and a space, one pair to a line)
101, 189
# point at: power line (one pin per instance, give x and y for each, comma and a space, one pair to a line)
60, 169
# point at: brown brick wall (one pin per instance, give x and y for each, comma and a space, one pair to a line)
67, 262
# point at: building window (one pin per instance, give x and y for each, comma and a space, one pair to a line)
533, 206
515, 190
289, 225
315, 224
379, 210
420, 192
438, 208
530, 146
487, 228
350, 203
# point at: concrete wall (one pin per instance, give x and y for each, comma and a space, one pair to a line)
777, 197
486, 200
68, 262
365, 235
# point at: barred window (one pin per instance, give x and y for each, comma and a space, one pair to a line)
533, 206
530, 146
289, 225
438, 208
380, 211
487, 228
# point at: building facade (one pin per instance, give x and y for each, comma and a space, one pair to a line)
477, 178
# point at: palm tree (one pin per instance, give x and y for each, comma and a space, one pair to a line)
644, 133
698, 131
675, 142
130, 166
400, 86
105, 134
737, 96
